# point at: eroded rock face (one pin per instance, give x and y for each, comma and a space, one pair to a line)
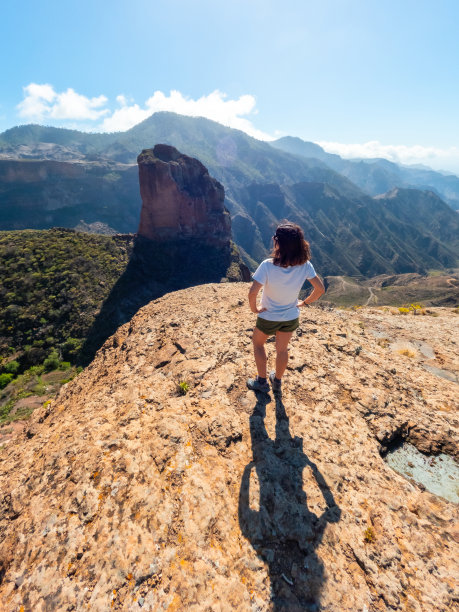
123, 494
180, 199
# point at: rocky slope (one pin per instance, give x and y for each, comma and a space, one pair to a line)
124, 495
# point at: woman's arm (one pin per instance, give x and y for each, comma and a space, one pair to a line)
318, 290
253, 292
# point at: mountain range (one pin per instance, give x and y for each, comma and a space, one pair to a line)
376, 176
362, 218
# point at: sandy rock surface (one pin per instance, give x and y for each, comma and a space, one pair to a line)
124, 495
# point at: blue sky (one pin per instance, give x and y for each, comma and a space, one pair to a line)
361, 77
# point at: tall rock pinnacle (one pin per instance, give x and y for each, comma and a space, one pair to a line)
179, 198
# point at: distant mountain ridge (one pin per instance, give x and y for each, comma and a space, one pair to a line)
351, 232
376, 176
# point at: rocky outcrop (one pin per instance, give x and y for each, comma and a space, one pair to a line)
184, 239
180, 199
125, 494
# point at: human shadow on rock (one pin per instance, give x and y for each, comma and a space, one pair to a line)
156, 268
283, 531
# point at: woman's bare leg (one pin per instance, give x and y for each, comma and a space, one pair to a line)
282, 340
259, 339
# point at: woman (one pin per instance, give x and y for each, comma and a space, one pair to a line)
281, 277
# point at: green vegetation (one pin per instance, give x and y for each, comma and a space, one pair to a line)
19, 398
53, 285
183, 388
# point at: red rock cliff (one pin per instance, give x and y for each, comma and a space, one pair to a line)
179, 198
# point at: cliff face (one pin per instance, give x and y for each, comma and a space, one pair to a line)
123, 494
13, 171
180, 199
41, 194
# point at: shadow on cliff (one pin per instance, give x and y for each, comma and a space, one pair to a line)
156, 268
283, 531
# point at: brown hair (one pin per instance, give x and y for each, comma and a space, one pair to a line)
290, 247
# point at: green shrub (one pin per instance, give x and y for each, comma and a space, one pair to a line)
65, 365
35, 370
40, 388
71, 347
183, 388
5, 379
51, 362
11, 368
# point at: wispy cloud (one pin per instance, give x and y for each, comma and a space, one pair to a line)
42, 102
434, 157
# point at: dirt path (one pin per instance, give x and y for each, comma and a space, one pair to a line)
372, 297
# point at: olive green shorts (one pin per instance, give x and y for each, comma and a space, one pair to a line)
271, 327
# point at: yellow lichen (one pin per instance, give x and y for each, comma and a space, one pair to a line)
406, 352
369, 535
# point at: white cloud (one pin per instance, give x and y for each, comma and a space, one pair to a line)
215, 106
43, 102
437, 158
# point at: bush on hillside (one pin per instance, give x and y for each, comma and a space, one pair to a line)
5, 379
53, 284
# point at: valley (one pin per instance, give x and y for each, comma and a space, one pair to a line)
434, 289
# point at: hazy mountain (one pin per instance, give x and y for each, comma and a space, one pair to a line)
376, 176
351, 233
231, 156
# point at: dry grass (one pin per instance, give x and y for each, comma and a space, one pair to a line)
406, 352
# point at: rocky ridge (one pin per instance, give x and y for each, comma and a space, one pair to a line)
124, 495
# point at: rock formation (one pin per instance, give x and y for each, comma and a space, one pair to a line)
123, 494
180, 199
184, 239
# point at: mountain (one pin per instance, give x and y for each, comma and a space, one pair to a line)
232, 157
155, 480
404, 231
351, 232
377, 176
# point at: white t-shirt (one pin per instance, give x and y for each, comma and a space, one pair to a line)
281, 287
